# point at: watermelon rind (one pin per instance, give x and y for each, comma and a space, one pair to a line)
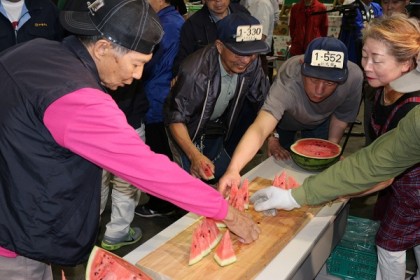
314, 163
225, 262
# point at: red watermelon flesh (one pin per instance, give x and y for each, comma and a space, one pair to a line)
232, 195
214, 232
280, 180
291, 183
207, 171
316, 148
244, 191
224, 253
104, 265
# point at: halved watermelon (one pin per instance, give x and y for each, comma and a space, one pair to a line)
315, 154
103, 264
224, 253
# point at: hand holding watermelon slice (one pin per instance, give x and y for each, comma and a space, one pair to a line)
208, 170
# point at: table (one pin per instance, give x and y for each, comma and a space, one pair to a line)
304, 255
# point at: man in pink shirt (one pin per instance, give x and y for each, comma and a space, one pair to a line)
59, 129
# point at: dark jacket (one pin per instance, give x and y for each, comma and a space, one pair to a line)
58, 190
43, 23
198, 31
193, 98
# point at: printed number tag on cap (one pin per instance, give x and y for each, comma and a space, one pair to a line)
330, 59
246, 33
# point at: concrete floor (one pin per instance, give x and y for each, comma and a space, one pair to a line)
360, 207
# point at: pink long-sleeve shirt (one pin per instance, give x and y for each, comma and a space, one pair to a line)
89, 123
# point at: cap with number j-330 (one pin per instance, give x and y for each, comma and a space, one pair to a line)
326, 59
242, 34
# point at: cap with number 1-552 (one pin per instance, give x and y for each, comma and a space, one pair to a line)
326, 59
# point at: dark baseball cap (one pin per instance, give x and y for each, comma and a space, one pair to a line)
242, 34
326, 59
130, 23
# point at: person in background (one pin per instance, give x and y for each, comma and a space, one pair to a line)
21, 21
60, 129
395, 154
267, 13
156, 84
311, 95
204, 105
394, 6
180, 7
352, 24
199, 30
124, 196
304, 27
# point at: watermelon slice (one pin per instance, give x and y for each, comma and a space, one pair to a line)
213, 232
103, 264
280, 180
224, 253
196, 252
232, 195
285, 181
207, 171
244, 192
291, 183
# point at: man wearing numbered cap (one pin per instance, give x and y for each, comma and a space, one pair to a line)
317, 94
212, 85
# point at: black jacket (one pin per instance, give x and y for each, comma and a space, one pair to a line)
198, 31
194, 95
43, 23
49, 196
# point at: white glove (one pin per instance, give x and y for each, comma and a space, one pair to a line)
273, 198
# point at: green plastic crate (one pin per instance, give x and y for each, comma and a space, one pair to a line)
352, 264
355, 256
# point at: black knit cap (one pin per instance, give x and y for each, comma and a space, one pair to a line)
130, 23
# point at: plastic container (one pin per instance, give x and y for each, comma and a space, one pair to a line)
355, 256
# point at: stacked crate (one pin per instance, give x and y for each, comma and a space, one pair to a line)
355, 256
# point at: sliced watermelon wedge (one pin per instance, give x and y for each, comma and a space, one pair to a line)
103, 264
213, 230
196, 252
280, 180
224, 253
232, 195
291, 183
244, 192
207, 171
